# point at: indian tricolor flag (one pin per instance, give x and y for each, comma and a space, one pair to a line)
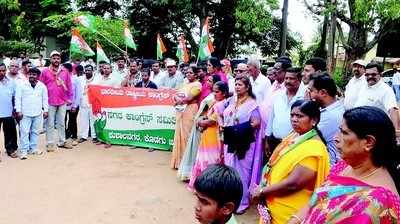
100, 55
181, 51
160, 47
128, 37
87, 21
78, 45
206, 46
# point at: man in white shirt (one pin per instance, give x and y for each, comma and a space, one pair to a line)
278, 78
26, 66
30, 99
259, 82
279, 125
358, 81
86, 117
40, 62
106, 79
156, 74
13, 73
174, 79
120, 72
378, 94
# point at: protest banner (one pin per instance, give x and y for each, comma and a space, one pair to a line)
134, 116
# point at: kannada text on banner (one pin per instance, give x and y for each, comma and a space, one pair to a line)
134, 116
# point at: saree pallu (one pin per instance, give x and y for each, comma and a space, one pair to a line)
189, 157
249, 168
209, 151
346, 200
311, 154
184, 123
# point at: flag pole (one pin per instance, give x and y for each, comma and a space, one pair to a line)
110, 41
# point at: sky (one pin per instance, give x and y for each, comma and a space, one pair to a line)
300, 21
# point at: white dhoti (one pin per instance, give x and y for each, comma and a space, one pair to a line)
86, 121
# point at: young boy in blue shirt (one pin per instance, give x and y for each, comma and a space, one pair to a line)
219, 192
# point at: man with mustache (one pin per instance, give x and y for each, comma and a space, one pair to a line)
352, 91
378, 94
58, 83
279, 125
30, 99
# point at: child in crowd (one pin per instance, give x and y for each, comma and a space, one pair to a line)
219, 192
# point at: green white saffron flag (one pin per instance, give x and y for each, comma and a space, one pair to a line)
128, 37
78, 45
100, 55
87, 21
205, 46
160, 47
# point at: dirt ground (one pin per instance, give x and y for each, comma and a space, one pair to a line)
91, 185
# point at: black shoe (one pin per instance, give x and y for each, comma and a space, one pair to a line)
82, 140
95, 140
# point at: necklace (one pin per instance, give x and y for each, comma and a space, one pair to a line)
370, 173
241, 101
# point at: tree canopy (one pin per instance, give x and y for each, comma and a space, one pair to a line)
365, 18
233, 23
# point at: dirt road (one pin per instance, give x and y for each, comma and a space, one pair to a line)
91, 185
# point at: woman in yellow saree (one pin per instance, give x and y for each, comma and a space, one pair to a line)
186, 104
297, 166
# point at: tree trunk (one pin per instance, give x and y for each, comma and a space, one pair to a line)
321, 50
331, 42
282, 47
356, 49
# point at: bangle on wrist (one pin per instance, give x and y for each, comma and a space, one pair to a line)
297, 218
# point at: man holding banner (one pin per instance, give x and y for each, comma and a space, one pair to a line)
106, 79
174, 79
86, 117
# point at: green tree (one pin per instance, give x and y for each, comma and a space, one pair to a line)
23, 20
364, 18
107, 30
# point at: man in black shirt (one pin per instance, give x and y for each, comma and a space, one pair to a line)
146, 83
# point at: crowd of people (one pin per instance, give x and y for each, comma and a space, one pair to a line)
300, 148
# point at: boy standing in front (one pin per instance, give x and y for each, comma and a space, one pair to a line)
31, 96
219, 191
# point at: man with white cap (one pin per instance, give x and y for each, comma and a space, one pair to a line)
59, 86
173, 79
377, 93
356, 82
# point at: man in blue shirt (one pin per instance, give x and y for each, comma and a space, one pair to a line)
7, 93
322, 89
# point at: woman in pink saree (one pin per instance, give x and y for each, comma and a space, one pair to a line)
364, 187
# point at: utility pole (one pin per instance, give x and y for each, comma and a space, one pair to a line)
282, 47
